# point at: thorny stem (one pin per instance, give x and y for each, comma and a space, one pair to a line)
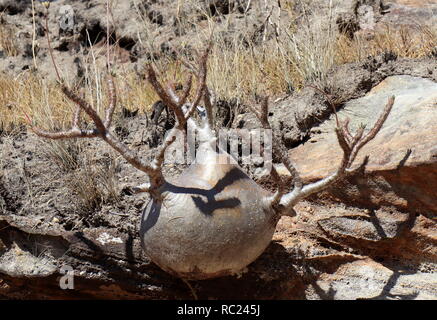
280, 153
350, 148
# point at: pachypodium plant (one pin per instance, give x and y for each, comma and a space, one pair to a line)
213, 219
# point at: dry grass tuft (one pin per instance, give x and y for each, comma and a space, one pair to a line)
29, 94
92, 180
7, 39
94, 183
405, 42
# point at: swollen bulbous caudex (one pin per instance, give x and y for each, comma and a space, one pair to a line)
212, 220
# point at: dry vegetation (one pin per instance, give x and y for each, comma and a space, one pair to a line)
405, 42
7, 38
239, 68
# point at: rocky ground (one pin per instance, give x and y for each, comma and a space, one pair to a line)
371, 236
147, 30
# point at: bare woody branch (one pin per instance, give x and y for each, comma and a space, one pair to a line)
187, 90
165, 96
351, 145
374, 131
102, 127
171, 99
203, 90
85, 107
101, 130
201, 79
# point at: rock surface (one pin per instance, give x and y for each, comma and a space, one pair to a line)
145, 30
408, 12
148, 30
368, 18
366, 279
294, 116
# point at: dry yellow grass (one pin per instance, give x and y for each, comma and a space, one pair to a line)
241, 70
405, 42
28, 94
43, 102
7, 39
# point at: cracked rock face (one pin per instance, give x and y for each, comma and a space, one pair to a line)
17, 263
